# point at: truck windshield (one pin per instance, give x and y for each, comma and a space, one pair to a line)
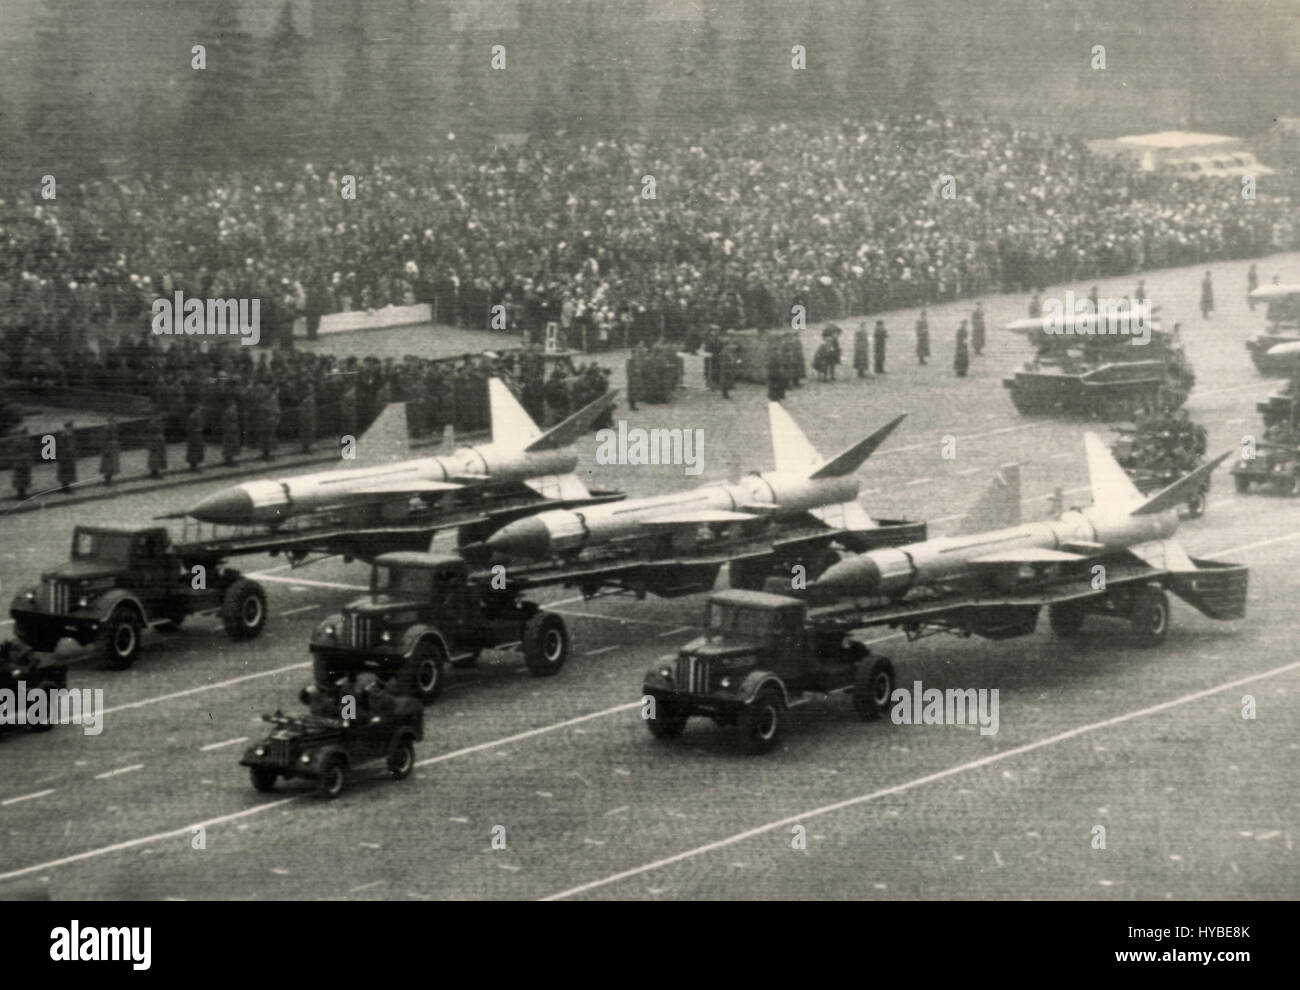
407, 581
104, 546
743, 623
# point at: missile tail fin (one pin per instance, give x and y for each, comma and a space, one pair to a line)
510, 421
791, 451
1181, 490
1164, 555
998, 507
388, 438
844, 515
1111, 487
565, 432
848, 461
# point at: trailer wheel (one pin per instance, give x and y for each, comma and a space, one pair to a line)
1242, 482
1196, 505
1149, 616
546, 644
263, 778
669, 720
873, 686
330, 782
423, 671
759, 724
1066, 619
401, 761
243, 609
122, 637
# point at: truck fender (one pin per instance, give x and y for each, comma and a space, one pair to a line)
326, 753
420, 632
117, 596
758, 679
318, 637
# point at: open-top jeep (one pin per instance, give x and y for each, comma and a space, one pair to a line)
345, 728
758, 657
121, 580
21, 671
425, 611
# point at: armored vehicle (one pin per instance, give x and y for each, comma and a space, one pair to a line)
346, 727
1103, 375
759, 656
1283, 327
1160, 450
121, 580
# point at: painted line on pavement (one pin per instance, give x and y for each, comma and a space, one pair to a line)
204, 687
221, 745
26, 797
120, 770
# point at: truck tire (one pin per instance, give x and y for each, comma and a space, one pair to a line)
759, 725
1066, 619
546, 644
263, 778
243, 609
332, 776
873, 686
422, 672
1149, 616
122, 637
401, 761
669, 720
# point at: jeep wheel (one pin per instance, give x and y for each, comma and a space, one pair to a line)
873, 686
401, 761
546, 644
758, 727
243, 609
423, 671
1242, 482
1149, 616
263, 778
330, 783
1066, 619
46, 688
122, 637
669, 720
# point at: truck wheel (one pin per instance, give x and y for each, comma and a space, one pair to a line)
243, 609
669, 720
1066, 619
873, 686
423, 671
330, 782
1149, 616
759, 724
401, 761
122, 637
546, 644
1242, 482
263, 778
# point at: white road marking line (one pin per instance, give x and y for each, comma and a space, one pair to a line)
967, 471
607, 618
263, 576
674, 632
300, 608
528, 734
6, 622
120, 770
204, 687
916, 782
918, 481
26, 797
969, 436
603, 649
218, 745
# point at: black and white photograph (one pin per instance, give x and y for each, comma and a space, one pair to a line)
651, 450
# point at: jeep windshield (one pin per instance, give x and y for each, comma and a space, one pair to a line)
738, 623
406, 582
101, 546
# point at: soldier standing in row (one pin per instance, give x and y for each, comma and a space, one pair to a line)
270, 428
776, 384
878, 346
230, 438
1035, 307
977, 329
727, 366
1207, 297
557, 395
635, 370
348, 412
22, 463
961, 360
861, 350
922, 338
66, 456
110, 460
307, 420
194, 449
156, 443
1252, 283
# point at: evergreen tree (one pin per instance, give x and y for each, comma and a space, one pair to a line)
812, 93
357, 110
63, 128
580, 104
917, 95
284, 108
756, 59
221, 91
472, 62
869, 88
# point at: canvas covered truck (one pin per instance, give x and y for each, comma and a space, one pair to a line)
121, 580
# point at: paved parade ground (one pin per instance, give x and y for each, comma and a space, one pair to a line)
1196, 801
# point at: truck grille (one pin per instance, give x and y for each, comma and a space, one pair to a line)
692, 675
280, 751
57, 596
358, 630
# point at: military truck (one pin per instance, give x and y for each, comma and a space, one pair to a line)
1276, 460
121, 580
425, 612
759, 656
1283, 327
1157, 456
325, 748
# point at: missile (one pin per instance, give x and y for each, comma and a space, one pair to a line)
1120, 518
519, 453
803, 482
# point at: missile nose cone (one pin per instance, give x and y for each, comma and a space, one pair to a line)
526, 537
230, 506
851, 576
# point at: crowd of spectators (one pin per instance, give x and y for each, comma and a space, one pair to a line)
745, 221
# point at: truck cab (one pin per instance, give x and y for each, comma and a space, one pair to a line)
759, 655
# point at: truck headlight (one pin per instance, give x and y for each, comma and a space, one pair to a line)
30, 596
329, 630
385, 637
305, 758
83, 602
725, 682
666, 673
260, 751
